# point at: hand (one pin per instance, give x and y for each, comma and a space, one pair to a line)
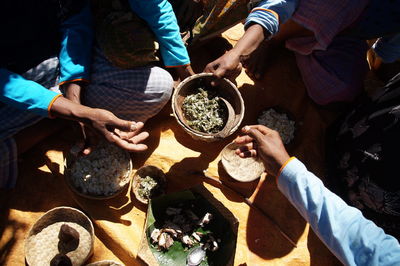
125, 134
228, 65
266, 144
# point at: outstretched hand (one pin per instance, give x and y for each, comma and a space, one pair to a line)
226, 66
125, 134
266, 144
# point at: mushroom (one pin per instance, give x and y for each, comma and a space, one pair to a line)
206, 219
155, 235
187, 240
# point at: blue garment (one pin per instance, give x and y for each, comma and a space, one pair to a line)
353, 239
282, 10
160, 16
74, 64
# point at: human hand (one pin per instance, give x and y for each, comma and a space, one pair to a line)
125, 134
266, 144
228, 65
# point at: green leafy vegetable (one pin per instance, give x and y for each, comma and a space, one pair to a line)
204, 111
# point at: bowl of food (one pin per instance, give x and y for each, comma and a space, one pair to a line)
207, 112
280, 120
61, 235
103, 174
148, 182
240, 169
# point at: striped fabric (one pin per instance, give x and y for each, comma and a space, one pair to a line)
14, 120
332, 66
132, 94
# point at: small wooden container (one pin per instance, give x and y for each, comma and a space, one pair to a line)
154, 172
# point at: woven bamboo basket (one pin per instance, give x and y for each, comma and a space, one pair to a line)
42, 242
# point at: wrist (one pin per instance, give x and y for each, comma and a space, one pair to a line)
285, 161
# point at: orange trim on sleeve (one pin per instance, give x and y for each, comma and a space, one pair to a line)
177, 66
51, 104
283, 166
73, 80
268, 10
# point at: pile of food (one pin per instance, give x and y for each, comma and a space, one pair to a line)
204, 111
103, 172
183, 225
148, 187
279, 122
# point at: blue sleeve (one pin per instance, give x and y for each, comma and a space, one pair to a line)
76, 46
388, 48
271, 13
161, 18
25, 94
352, 238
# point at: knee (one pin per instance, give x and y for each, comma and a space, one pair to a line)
162, 83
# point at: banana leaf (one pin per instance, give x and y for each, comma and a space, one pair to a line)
223, 226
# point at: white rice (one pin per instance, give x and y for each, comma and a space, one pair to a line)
279, 122
103, 172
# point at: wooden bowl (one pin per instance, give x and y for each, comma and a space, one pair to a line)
154, 172
41, 244
225, 89
71, 159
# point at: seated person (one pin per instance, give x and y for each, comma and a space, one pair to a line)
48, 42
328, 39
125, 78
352, 238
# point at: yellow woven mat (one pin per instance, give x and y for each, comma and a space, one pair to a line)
119, 222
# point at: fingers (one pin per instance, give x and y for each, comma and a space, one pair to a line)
263, 129
125, 125
132, 147
254, 133
243, 140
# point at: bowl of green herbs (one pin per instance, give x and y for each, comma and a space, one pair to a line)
148, 182
208, 112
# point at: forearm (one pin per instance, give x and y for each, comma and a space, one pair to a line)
67, 109
251, 39
73, 91
354, 239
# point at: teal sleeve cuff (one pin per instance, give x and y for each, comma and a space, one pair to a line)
76, 46
24, 94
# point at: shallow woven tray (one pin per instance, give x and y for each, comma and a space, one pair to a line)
67, 215
240, 169
225, 89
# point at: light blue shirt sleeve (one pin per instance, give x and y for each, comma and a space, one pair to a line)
161, 18
388, 48
271, 13
353, 239
24, 94
76, 46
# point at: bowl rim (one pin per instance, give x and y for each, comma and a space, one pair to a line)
135, 182
75, 190
200, 135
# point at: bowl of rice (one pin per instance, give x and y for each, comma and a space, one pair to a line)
202, 109
103, 174
280, 120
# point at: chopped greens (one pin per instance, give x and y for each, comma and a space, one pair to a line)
147, 187
204, 111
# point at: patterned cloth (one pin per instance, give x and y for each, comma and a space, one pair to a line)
14, 120
332, 66
132, 94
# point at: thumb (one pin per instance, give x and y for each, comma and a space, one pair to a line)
254, 134
125, 125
